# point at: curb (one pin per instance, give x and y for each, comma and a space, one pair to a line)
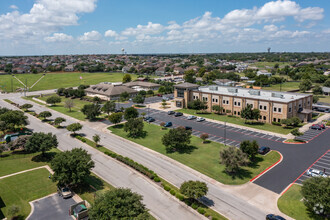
269, 168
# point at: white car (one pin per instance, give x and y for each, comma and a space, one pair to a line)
65, 192
191, 117
200, 119
315, 173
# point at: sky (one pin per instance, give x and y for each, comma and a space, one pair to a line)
47, 27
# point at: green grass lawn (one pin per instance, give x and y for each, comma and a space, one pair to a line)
262, 65
325, 99
25, 187
287, 86
57, 80
15, 162
238, 121
203, 157
291, 204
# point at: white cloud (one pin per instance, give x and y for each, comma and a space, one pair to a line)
58, 37
91, 36
270, 28
110, 33
150, 28
13, 7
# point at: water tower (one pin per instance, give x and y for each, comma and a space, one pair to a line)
268, 49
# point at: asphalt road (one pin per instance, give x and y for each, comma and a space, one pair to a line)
221, 200
161, 205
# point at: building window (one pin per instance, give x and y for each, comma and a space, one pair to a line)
275, 109
238, 113
180, 93
308, 102
223, 110
224, 101
290, 109
227, 102
260, 107
264, 117
274, 119
299, 105
239, 103
235, 103
214, 100
234, 112
279, 120
260, 117
265, 107
279, 109
205, 99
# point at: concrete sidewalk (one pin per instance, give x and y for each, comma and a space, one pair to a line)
305, 128
24, 171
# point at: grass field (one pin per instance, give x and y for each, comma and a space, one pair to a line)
13, 163
203, 157
263, 65
22, 188
238, 121
287, 86
325, 99
57, 80
291, 204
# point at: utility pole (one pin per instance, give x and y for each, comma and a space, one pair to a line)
225, 134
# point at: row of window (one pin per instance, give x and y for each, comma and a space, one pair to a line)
278, 120
277, 109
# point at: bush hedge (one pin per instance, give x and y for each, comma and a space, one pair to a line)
201, 210
194, 206
172, 192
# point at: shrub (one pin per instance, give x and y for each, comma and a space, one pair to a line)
214, 218
172, 192
207, 215
180, 196
328, 123
188, 202
194, 206
157, 179
276, 123
167, 188
201, 210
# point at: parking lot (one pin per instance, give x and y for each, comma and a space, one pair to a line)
311, 134
220, 133
322, 164
52, 207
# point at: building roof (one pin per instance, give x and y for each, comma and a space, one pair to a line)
110, 90
186, 85
325, 89
141, 83
266, 95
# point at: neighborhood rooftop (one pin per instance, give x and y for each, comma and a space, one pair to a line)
252, 93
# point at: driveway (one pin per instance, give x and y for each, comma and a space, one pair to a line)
51, 207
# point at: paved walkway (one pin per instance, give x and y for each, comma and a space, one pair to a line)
24, 171
305, 128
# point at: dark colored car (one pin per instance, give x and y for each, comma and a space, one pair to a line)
168, 124
274, 217
159, 95
151, 119
322, 126
171, 112
316, 127
188, 128
263, 150
177, 114
118, 110
146, 118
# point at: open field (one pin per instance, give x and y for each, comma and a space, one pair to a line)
291, 204
57, 80
325, 99
22, 188
238, 121
15, 162
202, 157
287, 86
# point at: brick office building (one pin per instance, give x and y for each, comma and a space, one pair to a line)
273, 105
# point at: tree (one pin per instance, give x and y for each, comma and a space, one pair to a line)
74, 127
60, 91
26, 106
127, 78
315, 99
305, 85
116, 118
96, 139
142, 93
150, 92
109, 106
204, 136
118, 203
41, 142
197, 105
316, 191
130, 113
96, 100
327, 83
59, 120
13, 210
72, 167
295, 132
164, 103
233, 158
189, 76
134, 127
139, 99
45, 114
69, 104
177, 139
248, 113
317, 90
124, 96
12, 118
91, 111
250, 148
161, 89
217, 108
53, 100
194, 189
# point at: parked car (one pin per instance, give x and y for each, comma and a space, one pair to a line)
188, 128
151, 119
65, 192
322, 126
263, 150
315, 127
165, 98
159, 95
274, 217
315, 173
191, 117
200, 119
118, 110
168, 124
177, 114
146, 118
171, 112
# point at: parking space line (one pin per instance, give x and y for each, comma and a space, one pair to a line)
322, 162
321, 166
326, 159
